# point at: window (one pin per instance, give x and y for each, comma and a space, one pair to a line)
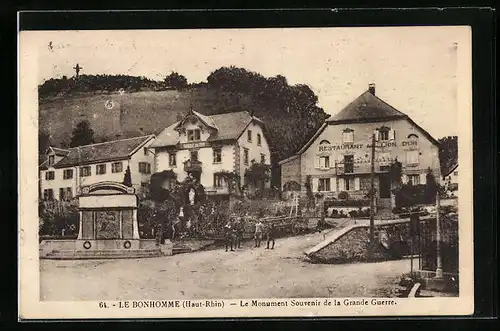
245, 156
349, 184
68, 174
172, 159
324, 184
144, 168
116, 167
85, 171
51, 160
385, 133
100, 169
324, 142
348, 163
48, 194
262, 158
259, 139
65, 193
455, 173
217, 152
49, 175
193, 135
414, 179
412, 158
348, 136
218, 181
249, 136
324, 162
193, 156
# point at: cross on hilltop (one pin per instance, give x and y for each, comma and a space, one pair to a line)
77, 69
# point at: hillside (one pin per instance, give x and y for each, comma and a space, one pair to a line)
152, 111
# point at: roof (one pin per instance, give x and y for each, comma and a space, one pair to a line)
228, 126
102, 152
60, 151
447, 169
289, 159
366, 108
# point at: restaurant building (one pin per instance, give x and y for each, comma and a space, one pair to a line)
338, 157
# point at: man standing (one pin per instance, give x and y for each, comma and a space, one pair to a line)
258, 233
271, 232
239, 232
228, 235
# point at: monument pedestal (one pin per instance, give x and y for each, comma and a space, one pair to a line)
108, 227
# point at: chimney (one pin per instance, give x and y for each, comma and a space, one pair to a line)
371, 88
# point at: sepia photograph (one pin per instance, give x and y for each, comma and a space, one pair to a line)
246, 172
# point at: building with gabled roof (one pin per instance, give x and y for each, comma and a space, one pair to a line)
65, 171
208, 147
338, 156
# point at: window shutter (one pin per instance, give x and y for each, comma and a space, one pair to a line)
333, 184
341, 184
316, 162
404, 178
356, 183
392, 135
315, 183
377, 135
423, 179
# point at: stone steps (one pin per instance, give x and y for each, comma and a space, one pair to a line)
181, 250
104, 254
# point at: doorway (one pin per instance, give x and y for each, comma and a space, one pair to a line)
385, 186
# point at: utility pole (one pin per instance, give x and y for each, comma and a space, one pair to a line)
439, 261
372, 193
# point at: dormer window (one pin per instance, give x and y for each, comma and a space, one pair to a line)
51, 160
348, 136
193, 135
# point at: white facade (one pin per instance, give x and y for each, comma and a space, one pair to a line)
232, 154
54, 184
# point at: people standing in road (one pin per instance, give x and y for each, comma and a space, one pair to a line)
271, 233
228, 236
258, 233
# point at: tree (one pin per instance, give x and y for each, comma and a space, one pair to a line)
258, 174
82, 134
176, 81
127, 177
448, 151
43, 143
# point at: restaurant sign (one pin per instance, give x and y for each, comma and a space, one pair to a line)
329, 148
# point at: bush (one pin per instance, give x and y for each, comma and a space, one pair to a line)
343, 195
56, 217
353, 213
347, 203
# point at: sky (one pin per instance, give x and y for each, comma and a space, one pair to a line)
414, 69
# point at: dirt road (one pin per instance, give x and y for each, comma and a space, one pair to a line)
246, 273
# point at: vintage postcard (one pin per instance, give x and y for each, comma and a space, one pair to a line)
245, 173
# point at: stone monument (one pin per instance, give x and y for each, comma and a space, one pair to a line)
108, 227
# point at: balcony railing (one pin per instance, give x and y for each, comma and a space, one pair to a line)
192, 166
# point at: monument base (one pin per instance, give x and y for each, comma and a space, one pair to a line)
99, 249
